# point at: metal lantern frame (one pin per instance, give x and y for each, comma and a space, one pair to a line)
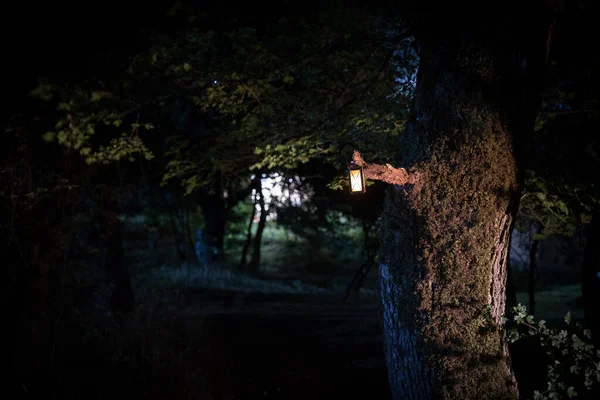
354, 179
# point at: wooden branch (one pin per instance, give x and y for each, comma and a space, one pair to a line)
385, 173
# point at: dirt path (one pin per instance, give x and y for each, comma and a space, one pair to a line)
275, 347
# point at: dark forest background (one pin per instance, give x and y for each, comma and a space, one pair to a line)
252, 274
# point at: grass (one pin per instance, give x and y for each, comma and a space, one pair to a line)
554, 301
222, 277
145, 355
284, 251
150, 354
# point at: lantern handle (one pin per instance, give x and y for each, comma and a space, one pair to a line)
351, 163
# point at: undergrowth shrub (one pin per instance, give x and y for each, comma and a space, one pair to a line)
573, 358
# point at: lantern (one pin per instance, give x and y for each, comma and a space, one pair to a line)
357, 180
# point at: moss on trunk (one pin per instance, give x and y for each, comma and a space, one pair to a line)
446, 234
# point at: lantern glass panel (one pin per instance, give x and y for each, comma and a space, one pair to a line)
356, 181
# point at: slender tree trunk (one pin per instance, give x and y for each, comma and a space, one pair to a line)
368, 262
359, 278
122, 298
533, 248
39, 322
249, 232
365, 250
446, 234
190, 248
178, 235
214, 212
215, 219
255, 261
590, 278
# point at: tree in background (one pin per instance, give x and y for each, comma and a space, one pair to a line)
215, 105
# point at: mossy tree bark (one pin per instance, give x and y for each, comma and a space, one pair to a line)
443, 259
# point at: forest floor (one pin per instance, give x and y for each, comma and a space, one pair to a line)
224, 336
286, 346
227, 336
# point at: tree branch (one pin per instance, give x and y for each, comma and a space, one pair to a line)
385, 173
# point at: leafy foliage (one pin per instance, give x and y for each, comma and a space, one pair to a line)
574, 362
233, 100
554, 205
560, 185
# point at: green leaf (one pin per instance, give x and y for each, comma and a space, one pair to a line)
539, 236
568, 318
538, 396
585, 218
49, 137
562, 207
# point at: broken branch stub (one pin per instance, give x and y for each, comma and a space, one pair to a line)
385, 173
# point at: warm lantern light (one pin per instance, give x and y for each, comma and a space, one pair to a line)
357, 180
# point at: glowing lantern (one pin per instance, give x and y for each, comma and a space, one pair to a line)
357, 180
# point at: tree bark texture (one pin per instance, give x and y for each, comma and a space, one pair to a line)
445, 240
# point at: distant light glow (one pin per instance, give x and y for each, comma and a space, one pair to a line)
276, 192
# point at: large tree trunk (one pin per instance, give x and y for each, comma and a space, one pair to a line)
444, 251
